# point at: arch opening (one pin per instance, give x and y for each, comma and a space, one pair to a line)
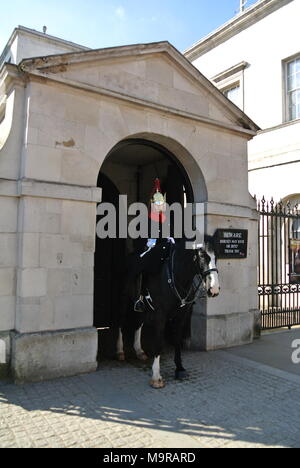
130, 169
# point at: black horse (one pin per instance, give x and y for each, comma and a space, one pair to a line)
169, 288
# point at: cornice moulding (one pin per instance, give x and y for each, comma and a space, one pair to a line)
237, 24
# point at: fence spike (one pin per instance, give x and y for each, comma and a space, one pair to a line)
277, 281
263, 203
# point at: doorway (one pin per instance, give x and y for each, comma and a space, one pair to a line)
129, 169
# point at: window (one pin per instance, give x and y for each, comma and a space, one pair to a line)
234, 94
293, 89
231, 83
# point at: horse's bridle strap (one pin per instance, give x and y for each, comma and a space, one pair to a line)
211, 270
171, 281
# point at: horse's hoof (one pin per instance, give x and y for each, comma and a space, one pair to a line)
158, 383
181, 375
142, 356
121, 357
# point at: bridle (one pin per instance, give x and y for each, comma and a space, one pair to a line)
208, 272
184, 301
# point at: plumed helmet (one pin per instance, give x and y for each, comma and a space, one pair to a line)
158, 203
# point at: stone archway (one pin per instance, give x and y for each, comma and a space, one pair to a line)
130, 169
182, 157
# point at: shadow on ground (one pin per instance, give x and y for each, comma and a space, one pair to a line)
221, 404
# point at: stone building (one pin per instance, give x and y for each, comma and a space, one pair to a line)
82, 126
254, 59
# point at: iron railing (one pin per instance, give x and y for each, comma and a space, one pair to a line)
279, 264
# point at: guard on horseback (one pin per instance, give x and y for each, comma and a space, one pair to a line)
151, 252
164, 279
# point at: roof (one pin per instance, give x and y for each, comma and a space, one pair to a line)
247, 18
48, 37
52, 65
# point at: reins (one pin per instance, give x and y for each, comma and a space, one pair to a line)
184, 301
171, 281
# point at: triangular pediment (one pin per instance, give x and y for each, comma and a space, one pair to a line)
154, 73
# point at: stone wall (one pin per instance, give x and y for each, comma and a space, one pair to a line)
274, 165
49, 207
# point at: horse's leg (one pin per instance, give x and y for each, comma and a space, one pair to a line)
157, 380
120, 342
186, 334
180, 372
140, 354
120, 346
124, 308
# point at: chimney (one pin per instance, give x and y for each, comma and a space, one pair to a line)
242, 5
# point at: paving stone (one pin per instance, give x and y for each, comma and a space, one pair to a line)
225, 403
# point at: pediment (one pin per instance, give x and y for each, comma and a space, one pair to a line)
155, 73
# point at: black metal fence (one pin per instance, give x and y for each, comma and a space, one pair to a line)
279, 264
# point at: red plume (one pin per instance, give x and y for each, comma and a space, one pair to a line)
158, 217
156, 187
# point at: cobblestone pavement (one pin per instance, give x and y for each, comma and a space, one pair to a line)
227, 402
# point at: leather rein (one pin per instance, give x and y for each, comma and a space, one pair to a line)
184, 301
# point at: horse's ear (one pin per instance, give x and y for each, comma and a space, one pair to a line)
210, 241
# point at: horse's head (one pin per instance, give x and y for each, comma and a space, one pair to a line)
208, 266
186, 263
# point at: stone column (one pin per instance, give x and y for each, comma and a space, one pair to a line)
54, 313
229, 320
8, 260
11, 139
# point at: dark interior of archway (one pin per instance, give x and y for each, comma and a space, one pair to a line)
130, 169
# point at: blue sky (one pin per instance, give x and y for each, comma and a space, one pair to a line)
106, 23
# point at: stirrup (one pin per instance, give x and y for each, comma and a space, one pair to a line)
139, 305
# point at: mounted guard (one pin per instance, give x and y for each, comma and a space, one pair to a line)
165, 279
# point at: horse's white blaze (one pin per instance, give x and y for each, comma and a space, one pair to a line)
137, 342
156, 369
213, 284
120, 344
